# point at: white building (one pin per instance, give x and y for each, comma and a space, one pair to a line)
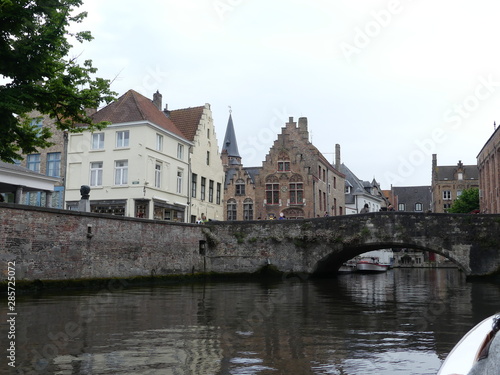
137, 166
359, 192
206, 176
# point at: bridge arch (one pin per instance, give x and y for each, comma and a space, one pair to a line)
321, 245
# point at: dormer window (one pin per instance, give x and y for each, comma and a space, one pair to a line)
460, 176
240, 187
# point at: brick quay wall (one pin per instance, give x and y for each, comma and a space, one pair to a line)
51, 244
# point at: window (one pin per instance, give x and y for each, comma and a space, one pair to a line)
446, 194
37, 123
211, 191
54, 164
231, 209
459, 193
296, 193
401, 207
121, 172
159, 142
240, 187
217, 198
446, 206
96, 173
334, 182
203, 187
419, 207
33, 162
122, 138
180, 151
283, 166
97, 141
208, 157
179, 181
460, 176
272, 193
194, 182
158, 175
248, 209
208, 133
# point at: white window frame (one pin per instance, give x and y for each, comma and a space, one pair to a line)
446, 195
179, 181
122, 138
121, 172
96, 171
180, 151
158, 175
97, 142
159, 142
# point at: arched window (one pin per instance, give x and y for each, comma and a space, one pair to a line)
231, 209
240, 187
248, 209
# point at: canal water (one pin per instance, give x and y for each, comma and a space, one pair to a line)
403, 322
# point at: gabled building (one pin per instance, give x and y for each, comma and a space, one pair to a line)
239, 182
206, 174
359, 192
137, 166
295, 180
448, 182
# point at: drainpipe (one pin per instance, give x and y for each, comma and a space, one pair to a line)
314, 198
189, 179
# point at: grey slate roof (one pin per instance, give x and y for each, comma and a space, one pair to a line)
230, 145
409, 195
447, 172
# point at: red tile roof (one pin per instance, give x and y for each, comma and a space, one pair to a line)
131, 107
187, 120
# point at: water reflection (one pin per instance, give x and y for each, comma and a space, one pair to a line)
400, 322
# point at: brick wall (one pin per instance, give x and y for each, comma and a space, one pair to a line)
50, 244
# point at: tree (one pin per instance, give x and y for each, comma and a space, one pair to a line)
467, 202
34, 63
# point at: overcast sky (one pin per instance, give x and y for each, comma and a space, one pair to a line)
392, 81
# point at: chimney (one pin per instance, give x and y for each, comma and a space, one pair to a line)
303, 128
337, 157
157, 100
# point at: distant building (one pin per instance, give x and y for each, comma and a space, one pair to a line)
412, 198
448, 182
50, 162
359, 192
295, 180
488, 161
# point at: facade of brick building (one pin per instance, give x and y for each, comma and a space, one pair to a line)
448, 182
488, 162
295, 180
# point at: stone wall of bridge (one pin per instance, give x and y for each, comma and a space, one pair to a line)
50, 244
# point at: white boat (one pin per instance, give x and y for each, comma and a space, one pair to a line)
466, 353
371, 264
375, 261
348, 267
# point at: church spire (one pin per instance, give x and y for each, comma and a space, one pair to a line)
230, 146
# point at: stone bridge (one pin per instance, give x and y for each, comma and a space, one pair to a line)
320, 246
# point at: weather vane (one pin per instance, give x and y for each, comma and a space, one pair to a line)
230, 110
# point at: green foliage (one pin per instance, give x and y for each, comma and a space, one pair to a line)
467, 202
39, 76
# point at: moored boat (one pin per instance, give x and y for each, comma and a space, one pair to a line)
371, 264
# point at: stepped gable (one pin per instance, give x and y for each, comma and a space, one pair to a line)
134, 107
187, 120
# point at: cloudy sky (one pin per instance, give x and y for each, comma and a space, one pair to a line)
391, 81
